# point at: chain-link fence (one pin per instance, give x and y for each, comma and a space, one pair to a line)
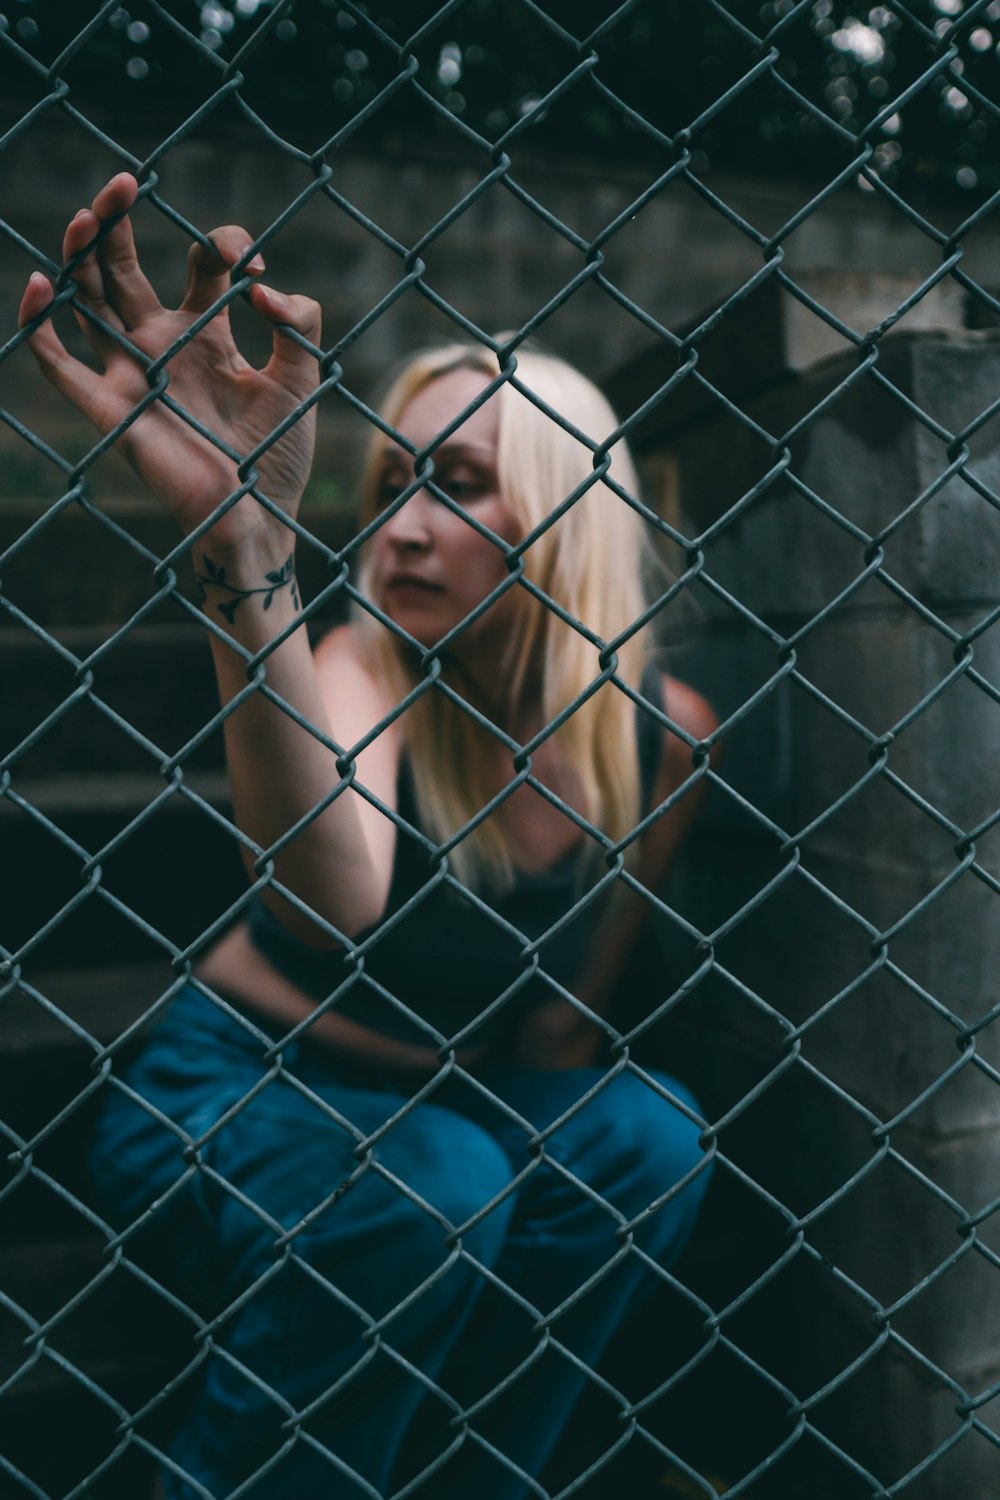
823, 968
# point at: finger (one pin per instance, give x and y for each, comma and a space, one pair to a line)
80, 232
117, 196
291, 365
208, 271
37, 296
108, 276
71, 378
126, 288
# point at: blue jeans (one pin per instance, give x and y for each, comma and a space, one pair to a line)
371, 1279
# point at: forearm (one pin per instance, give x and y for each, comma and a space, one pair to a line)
279, 769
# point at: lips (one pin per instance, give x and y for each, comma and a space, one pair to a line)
399, 581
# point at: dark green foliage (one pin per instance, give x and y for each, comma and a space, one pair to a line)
836, 69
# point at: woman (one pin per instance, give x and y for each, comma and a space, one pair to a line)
430, 1187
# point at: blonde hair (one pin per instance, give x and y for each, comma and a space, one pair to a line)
589, 562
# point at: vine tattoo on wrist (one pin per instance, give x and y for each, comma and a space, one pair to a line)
278, 579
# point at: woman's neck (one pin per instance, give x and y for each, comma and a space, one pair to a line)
486, 681
521, 719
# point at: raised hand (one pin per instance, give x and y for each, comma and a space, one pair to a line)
208, 377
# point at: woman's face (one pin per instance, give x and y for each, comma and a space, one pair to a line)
430, 567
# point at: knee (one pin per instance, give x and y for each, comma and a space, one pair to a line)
434, 1181
432, 1184
651, 1149
458, 1175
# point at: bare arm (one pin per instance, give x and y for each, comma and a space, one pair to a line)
556, 1035
243, 554
340, 862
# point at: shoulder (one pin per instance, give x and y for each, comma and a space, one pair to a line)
694, 715
341, 648
687, 708
344, 667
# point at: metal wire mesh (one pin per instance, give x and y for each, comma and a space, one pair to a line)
803, 1426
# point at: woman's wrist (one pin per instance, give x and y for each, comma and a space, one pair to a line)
253, 578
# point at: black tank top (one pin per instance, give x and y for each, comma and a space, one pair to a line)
446, 965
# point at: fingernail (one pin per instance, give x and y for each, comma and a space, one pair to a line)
256, 265
81, 213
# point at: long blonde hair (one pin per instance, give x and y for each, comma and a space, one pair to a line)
589, 562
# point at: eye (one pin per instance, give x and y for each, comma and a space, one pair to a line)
462, 485
388, 489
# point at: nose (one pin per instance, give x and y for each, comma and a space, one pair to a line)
410, 529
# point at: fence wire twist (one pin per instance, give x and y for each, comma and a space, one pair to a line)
39, 1336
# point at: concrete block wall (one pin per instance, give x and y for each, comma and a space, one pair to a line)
497, 263
891, 1209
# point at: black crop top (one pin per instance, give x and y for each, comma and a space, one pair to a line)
444, 964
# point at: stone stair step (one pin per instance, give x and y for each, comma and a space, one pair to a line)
43, 1278
158, 678
177, 870
103, 1003
87, 1434
55, 1024
77, 570
123, 1338
116, 1350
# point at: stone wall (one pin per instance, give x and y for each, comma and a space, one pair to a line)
497, 263
864, 984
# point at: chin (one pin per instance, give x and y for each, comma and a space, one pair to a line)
417, 627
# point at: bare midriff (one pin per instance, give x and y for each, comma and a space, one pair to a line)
238, 969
